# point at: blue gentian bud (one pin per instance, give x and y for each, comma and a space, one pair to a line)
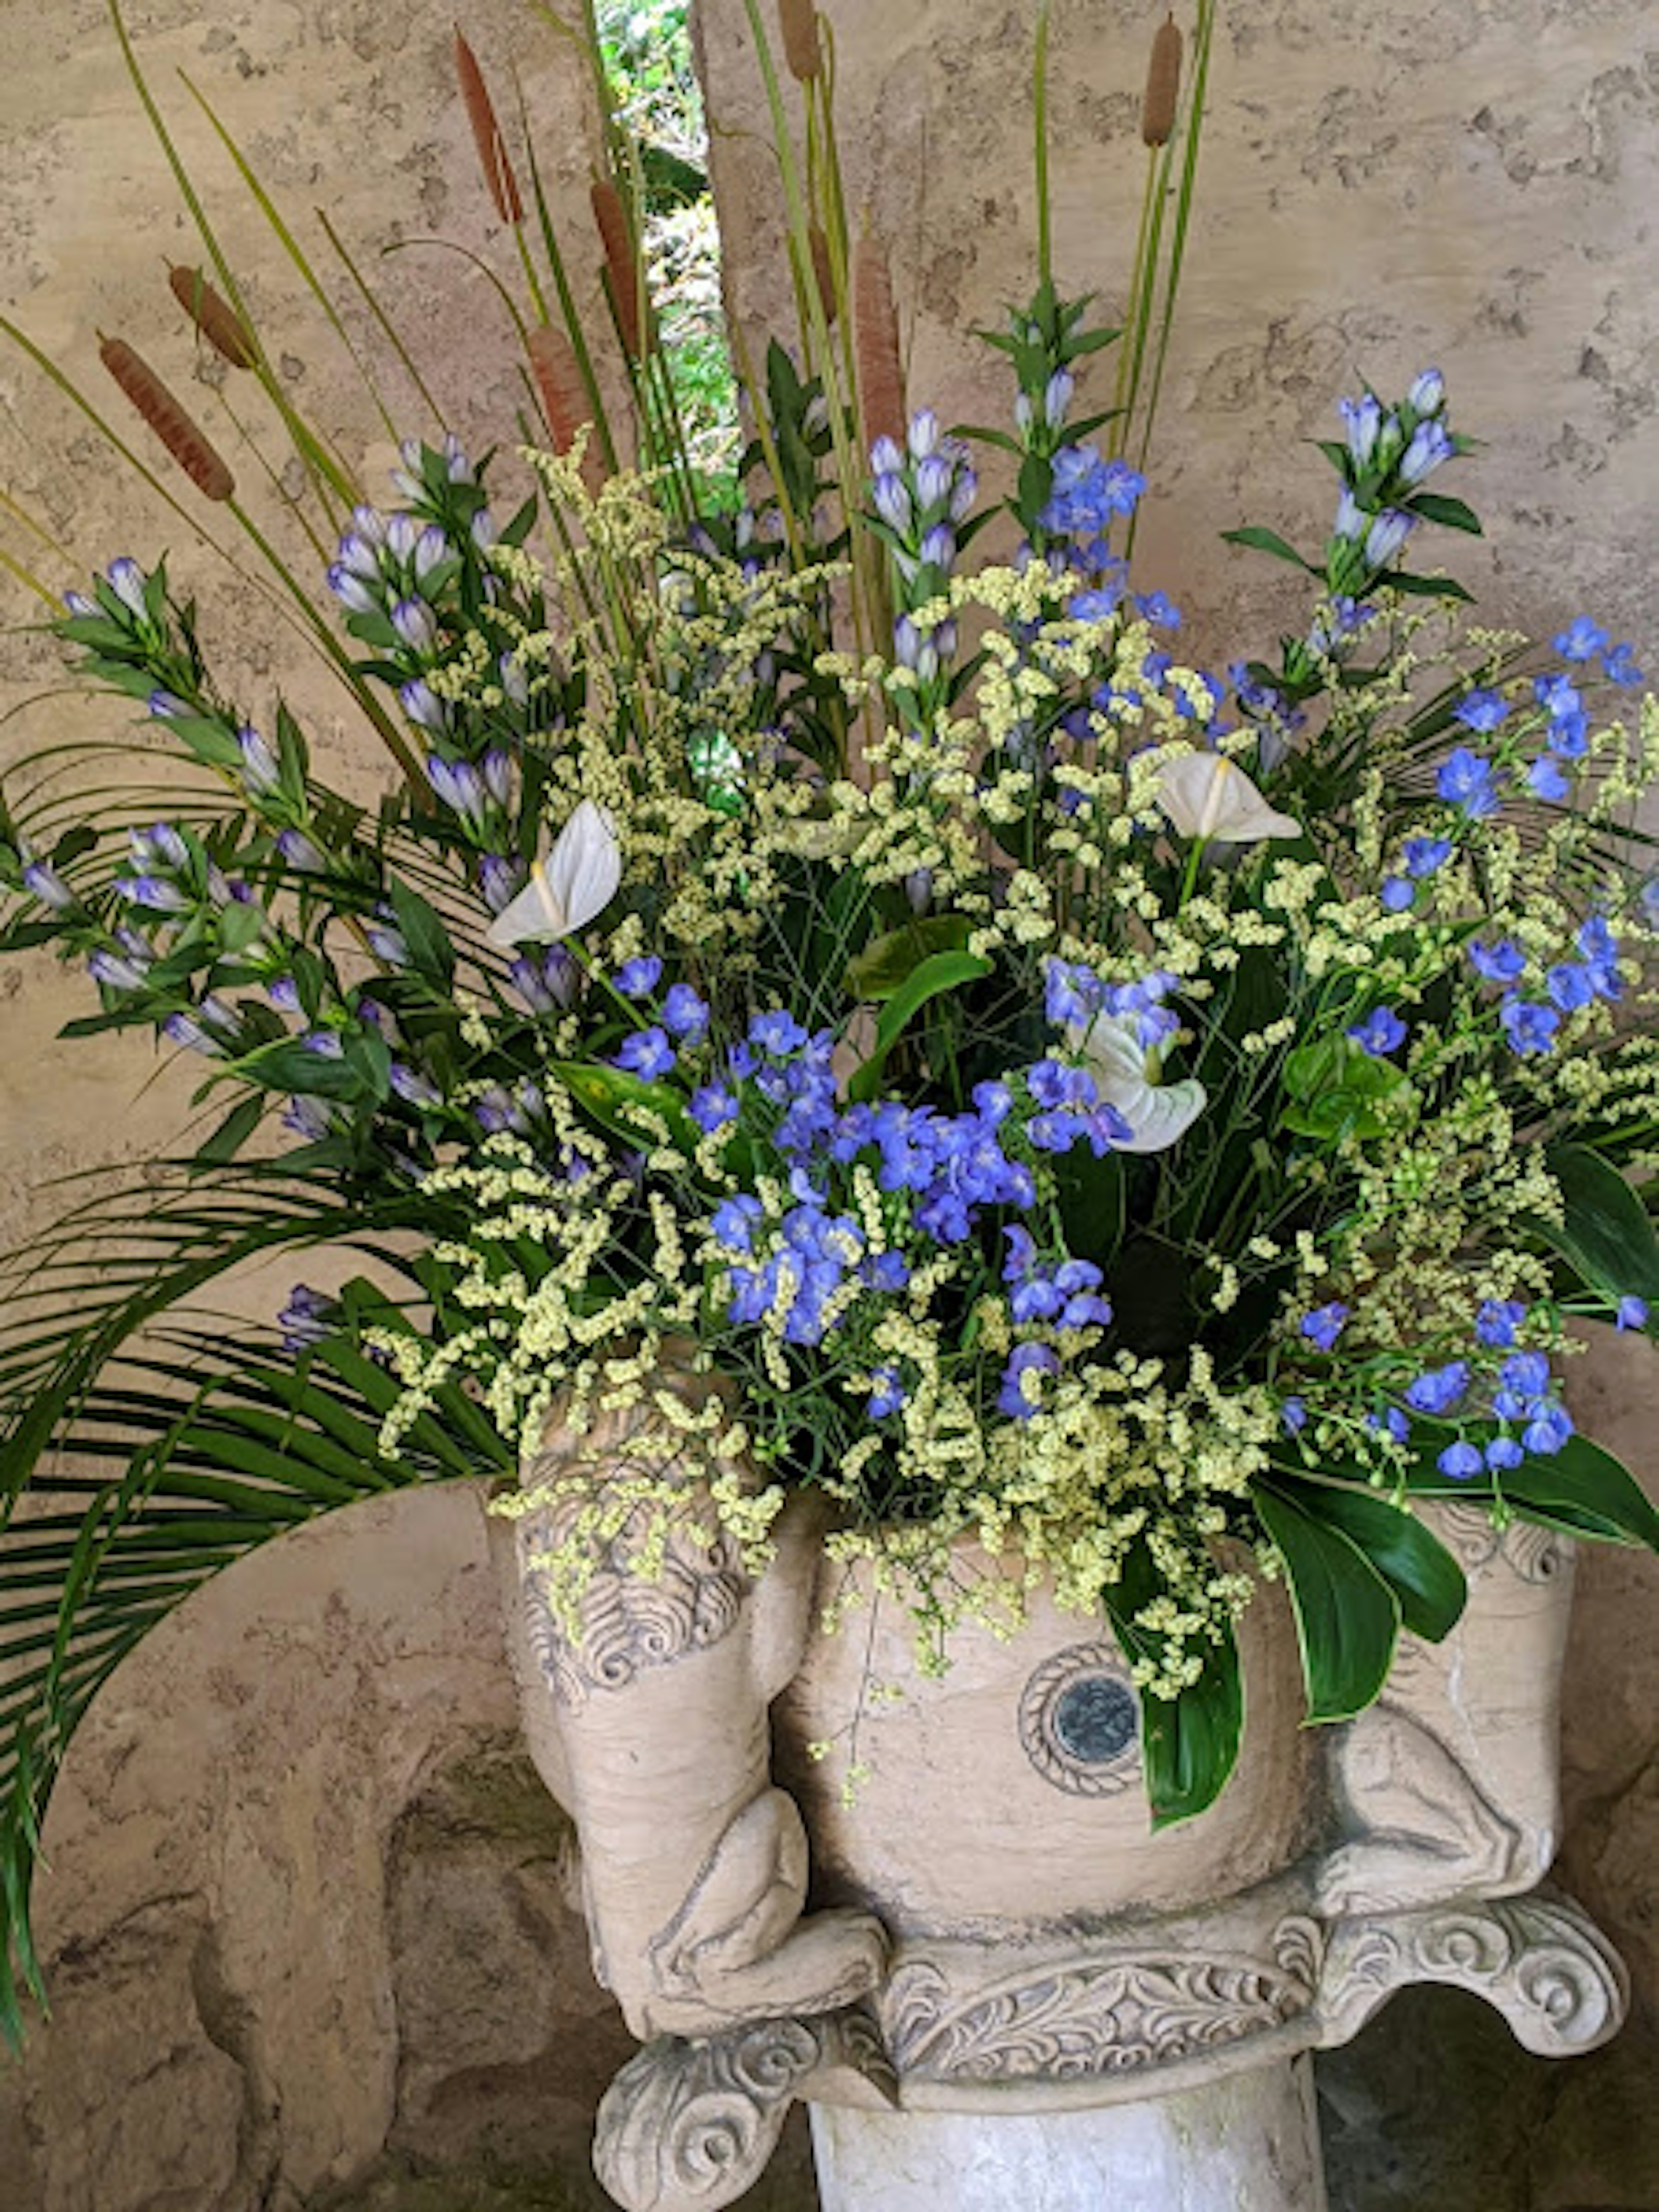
411, 1086
1428, 393
160, 842
357, 555
1430, 446
284, 993
1387, 534
891, 497
412, 620
938, 547
369, 524
1058, 397
944, 640
260, 772
183, 1030
43, 882
455, 460
354, 595
213, 1009
1024, 413
885, 457
962, 493
310, 1118
298, 851
515, 685
403, 535
1352, 519
301, 1319
933, 485
387, 945
1362, 421
431, 550
152, 891
109, 968
483, 528
326, 1044
497, 769
919, 890
499, 881
164, 705
457, 785
126, 580
922, 438
79, 603
907, 642
526, 979
422, 705
412, 454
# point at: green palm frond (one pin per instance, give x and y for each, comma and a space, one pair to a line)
142, 1450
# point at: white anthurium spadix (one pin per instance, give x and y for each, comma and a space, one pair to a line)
1156, 1113
576, 881
1206, 795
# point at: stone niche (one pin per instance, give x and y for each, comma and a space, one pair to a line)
304, 1919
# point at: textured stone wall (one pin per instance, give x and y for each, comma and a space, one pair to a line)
304, 1920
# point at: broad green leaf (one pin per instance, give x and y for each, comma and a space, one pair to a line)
1189, 1744
1426, 1580
887, 961
1427, 587
1267, 541
1606, 1236
1582, 1489
625, 1104
1347, 1617
941, 971
1449, 514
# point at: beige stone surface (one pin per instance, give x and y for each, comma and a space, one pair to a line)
303, 1920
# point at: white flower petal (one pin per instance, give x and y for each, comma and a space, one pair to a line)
1207, 795
577, 880
1158, 1112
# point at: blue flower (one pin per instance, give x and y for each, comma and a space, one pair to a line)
1547, 780
1087, 492
1397, 894
1387, 535
1428, 393
1033, 1359
1482, 710
1548, 1431
1070, 993
1526, 1373
1581, 641
647, 1053
1529, 1026
1496, 1321
732, 1222
684, 1014
260, 772
886, 1393
1158, 609
1569, 736
1631, 1312
1504, 1453
1461, 1460
1556, 693
1437, 1389
638, 979
1325, 1324
1381, 1032
1466, 780
303, 1320
1294, 1414
712, 1108
1362, 422
1423, 855
887, 1271
1619, 668
1428, 448
1502, 963
777, 1033
1391, 1422
1569, 986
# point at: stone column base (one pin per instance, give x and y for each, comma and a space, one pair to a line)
1251, 2139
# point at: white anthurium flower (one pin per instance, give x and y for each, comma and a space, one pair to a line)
1156, 1113
577, 880
1206, 795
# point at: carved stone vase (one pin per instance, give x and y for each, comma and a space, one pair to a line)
991, 1981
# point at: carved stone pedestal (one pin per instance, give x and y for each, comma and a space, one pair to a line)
1251, 2140
1006, 1983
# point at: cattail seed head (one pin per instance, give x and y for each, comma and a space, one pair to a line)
876, 343
493, 157
188, 445
1157, 109
823, 271
559, 381
621, 265
803, 55
216, 320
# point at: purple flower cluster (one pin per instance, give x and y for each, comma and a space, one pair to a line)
921, 493
1073, 995
1530, 1023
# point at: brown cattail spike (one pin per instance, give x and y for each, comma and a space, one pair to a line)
876, 343
215, 319
1157, 109
559, 381
798, 20
621, 266
493, 157
187, 444
823, 270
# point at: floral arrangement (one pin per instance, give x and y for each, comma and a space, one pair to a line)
879, 1012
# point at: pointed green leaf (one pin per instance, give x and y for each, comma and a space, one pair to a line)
1267, 541
1426, 1580
1605, 1236
1347, 1618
